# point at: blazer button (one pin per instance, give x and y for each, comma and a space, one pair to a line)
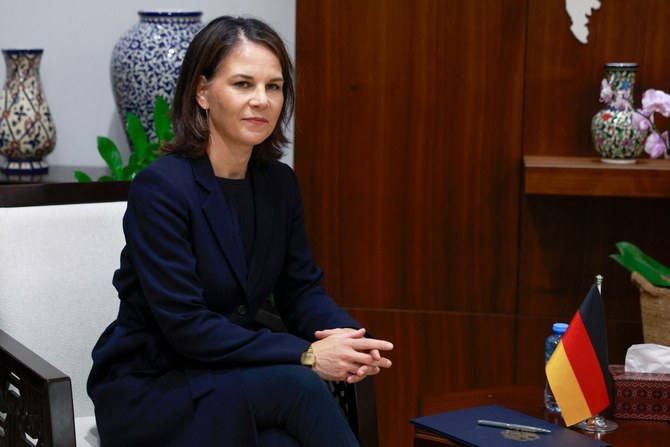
242, 309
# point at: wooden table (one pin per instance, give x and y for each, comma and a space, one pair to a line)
529, 400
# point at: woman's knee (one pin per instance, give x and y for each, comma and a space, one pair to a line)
275, 437
290, 378
302, 377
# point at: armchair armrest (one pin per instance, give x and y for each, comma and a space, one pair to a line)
36, 397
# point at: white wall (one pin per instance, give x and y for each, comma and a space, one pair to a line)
78, 36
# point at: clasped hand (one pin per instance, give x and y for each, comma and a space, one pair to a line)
345, 354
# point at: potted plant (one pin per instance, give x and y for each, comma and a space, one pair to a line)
653, 280
143, 151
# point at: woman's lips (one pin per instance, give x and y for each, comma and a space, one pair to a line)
256, 120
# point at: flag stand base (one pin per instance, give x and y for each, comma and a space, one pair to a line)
597, 424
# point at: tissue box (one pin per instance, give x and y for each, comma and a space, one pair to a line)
640, 395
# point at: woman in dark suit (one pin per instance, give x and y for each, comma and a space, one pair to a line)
213, 228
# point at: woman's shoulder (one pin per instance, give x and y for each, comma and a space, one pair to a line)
169, 162
170, 172
170, 166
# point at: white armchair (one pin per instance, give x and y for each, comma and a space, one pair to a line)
56, 297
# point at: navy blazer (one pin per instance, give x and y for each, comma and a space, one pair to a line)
188, 303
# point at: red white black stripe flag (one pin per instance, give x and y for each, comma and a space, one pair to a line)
577, 371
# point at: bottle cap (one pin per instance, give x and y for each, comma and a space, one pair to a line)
559, 327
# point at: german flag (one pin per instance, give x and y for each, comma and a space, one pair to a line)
577, 371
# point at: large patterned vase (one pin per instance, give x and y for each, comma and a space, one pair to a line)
146, 62
27, 131
614, 137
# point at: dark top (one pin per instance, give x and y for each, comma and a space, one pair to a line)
240, 198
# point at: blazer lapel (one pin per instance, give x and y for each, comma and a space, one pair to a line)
222, 220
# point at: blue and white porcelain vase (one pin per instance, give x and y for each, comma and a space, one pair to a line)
27, 131
147, 59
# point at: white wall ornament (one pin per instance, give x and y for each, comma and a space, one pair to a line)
579, 12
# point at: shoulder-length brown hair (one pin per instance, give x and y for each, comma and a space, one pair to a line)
204, 56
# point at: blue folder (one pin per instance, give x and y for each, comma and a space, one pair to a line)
461, 426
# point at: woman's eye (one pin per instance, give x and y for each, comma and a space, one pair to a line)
242, 84
274, 87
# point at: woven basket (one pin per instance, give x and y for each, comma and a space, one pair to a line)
655, 307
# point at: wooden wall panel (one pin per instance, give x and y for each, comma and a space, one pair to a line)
408, 151
565, 241
434, 352
411, 122
405, 142
563, 75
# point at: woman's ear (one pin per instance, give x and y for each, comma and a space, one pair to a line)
201, 93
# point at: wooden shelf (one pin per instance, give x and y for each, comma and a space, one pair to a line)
588, 176
58, 187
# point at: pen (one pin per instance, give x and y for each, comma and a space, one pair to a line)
519, 427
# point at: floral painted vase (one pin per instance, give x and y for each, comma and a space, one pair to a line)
146, 62
27, 131
614, 136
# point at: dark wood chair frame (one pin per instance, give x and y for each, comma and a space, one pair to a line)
35, 399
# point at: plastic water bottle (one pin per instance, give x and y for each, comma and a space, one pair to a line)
558, 329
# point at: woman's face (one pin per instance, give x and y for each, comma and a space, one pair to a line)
245, 97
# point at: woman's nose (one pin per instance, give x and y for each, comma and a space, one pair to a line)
259, 98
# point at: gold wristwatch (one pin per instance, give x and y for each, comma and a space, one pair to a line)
308, 358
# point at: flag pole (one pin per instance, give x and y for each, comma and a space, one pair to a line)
597, 423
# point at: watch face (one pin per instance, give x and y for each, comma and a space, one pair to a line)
308, 358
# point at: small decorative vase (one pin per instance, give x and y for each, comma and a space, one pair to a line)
27, 131
614, 137
146, 62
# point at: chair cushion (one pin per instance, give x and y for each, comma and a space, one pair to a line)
86, 432
56, 291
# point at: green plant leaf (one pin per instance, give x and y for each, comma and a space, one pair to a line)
635, 260
153, 149
130, 171
110, 153
636, 265
153, 152
653, 263
134, 159
137, 135
629, 250
167, 136
162, 124
82, 177
143, 152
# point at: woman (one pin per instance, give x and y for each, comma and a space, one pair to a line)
213, 229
